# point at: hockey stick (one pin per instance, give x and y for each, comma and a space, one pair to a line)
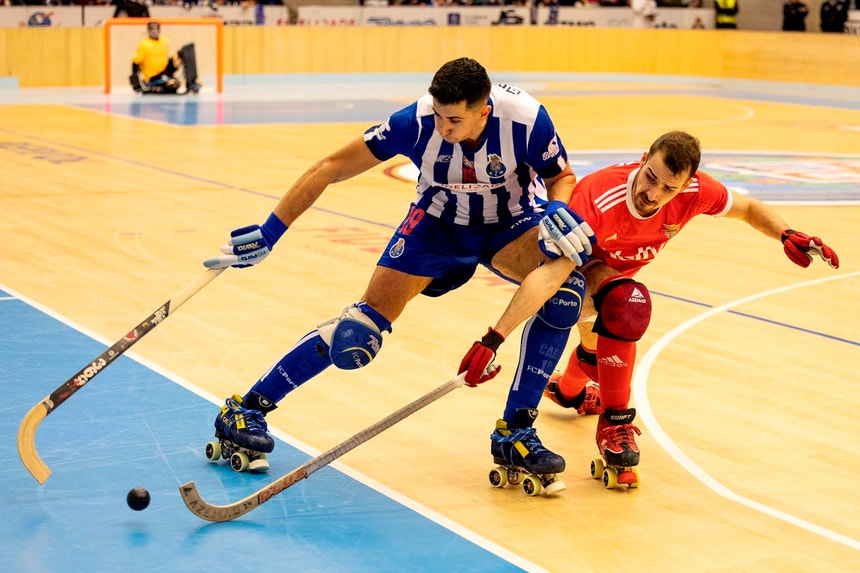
210, 512
30, 423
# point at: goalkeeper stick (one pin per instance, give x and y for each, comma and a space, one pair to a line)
30, 423
216, 513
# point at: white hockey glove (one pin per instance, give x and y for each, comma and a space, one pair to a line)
249, 245
563, 232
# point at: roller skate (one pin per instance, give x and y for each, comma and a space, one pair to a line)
616, 441
520, 454
242, 438
587, 402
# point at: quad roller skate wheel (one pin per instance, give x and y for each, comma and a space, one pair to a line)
612, 477
239, 461
597, 468
501, 476
532, 485
213, 451
498, 477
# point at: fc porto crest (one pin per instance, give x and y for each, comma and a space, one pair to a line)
495, 167
397, 248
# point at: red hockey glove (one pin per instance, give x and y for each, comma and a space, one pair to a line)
799, 247
478, 362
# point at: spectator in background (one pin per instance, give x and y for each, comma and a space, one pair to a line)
644, 13
794, 14
834, 14
726, 13
129, 9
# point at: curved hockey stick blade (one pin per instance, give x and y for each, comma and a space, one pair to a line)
27, 443
27, 430
218, 513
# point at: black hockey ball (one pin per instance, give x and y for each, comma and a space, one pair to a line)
138, 498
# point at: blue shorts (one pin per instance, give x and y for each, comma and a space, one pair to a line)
429, 247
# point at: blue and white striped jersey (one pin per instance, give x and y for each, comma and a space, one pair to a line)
498, 181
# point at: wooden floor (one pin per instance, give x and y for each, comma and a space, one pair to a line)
747, 389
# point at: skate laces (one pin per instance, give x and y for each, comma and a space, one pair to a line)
528, 436
254, 420
591, 404
622, 434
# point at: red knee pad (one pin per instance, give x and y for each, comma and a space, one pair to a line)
623, 309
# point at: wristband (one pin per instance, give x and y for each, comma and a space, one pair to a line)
273, 229
493, 339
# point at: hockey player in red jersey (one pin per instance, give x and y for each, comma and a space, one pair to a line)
634, 209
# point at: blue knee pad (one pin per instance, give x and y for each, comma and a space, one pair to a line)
563, 309
355, 337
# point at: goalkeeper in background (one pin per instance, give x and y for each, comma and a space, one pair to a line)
154, 61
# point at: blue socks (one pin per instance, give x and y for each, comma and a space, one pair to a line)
302, 362
541, 348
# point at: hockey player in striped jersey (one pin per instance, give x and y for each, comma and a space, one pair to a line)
489, 158
634, 210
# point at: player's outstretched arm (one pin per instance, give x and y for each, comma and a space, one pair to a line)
249, 245
799, 247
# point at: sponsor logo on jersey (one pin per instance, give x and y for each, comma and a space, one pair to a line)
377, 132
471, 187
552, 150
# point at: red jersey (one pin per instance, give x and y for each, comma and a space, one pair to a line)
626, 241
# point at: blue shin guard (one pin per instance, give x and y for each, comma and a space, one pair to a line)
306, 359
541, 348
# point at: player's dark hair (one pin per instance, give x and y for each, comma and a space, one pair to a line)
462, 79
681, 151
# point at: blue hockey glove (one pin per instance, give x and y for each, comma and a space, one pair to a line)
249, 245
563, 232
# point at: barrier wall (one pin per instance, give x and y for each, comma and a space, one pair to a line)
73, 57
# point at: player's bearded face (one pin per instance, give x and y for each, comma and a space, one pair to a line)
655, 184
457, 123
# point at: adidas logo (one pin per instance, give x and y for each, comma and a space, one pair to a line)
613, 361
637, 296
